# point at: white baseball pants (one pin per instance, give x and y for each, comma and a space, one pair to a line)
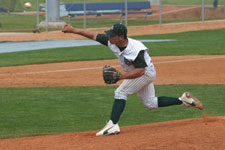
143, 85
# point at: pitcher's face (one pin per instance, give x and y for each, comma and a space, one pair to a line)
114, 39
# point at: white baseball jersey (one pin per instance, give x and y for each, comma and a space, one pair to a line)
142, 85
130, 53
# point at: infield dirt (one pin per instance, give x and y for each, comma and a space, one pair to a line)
206, 133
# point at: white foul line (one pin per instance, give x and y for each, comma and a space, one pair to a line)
92, 68
191, 59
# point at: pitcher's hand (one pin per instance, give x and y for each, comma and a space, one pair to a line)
68, 29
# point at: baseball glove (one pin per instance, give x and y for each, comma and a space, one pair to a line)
110, 75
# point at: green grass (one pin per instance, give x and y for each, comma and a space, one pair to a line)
196, 42
188, 43
55, 55
53, 110
13, 21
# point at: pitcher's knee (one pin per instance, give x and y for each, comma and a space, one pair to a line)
150, 107
151, 103
120, 95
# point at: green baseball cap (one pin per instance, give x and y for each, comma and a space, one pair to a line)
117, 29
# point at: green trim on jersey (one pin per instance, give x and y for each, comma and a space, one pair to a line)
139, 62
103, 39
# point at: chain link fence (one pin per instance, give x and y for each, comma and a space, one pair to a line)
186, 11
14, 16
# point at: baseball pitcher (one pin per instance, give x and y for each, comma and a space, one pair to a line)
138, 76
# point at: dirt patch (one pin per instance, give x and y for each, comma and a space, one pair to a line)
170, 70
132, 31
195, 134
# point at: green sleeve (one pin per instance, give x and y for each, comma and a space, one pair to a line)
103, 39
139, 62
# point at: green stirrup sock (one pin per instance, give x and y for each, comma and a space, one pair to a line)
164, 101
118, 107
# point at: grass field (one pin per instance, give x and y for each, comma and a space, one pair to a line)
196, 42
53, 110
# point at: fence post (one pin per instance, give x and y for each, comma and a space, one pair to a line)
203, 10
126, 13
46, 16
85, 24
160, 11
38, 15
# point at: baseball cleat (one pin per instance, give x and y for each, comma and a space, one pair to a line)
109, 129
190, 101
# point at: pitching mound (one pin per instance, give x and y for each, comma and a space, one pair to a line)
204, 133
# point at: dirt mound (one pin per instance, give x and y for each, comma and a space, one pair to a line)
205, 133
